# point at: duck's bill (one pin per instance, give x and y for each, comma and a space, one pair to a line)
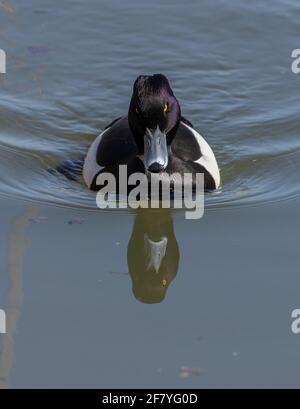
155, 150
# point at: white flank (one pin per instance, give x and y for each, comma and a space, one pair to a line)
91, 167
208, 159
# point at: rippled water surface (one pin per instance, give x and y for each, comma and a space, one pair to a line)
82, 308
70, 71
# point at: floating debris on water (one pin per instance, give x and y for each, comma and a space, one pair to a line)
39, 11
38, 219
76, 220
186, 372
38, 49
120, 273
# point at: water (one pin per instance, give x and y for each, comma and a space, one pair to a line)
222, 300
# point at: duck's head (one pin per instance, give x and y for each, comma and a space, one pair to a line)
154, 114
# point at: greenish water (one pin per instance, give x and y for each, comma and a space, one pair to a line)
84, 306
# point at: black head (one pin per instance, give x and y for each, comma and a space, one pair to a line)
154, 115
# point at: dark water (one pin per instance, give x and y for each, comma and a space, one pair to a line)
221, 300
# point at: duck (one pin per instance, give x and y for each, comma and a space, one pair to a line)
153, 138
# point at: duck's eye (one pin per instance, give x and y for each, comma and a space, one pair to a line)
137, 110
166, 108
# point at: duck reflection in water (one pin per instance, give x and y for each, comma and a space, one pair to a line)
153, 254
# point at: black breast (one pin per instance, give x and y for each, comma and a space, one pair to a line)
117, 145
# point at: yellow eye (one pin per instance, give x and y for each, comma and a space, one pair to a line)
166, 108
164, 282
